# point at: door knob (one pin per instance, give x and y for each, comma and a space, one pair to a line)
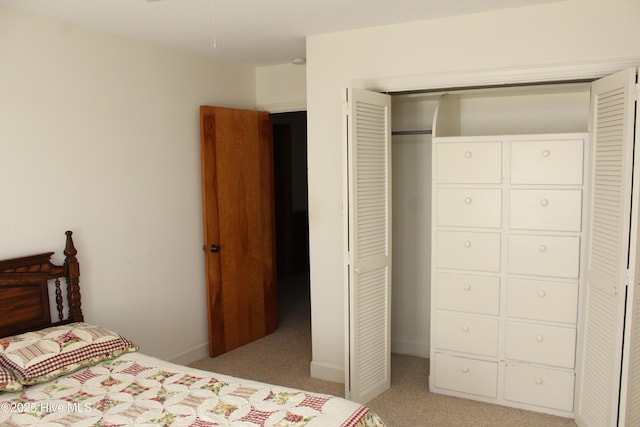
212, 248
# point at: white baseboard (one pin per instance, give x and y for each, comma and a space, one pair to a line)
192, 355
410, 348
327, 372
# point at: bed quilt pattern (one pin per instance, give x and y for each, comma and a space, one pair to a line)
138, 390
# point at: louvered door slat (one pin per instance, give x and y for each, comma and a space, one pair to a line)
368, 363
607, 251
594, 404
633, 403
630, 387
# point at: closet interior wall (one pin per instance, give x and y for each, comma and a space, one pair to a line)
493, 111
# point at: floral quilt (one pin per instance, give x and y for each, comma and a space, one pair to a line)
138, 390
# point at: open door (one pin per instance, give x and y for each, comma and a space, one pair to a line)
611, 244
238, 216
630, 386
368, 217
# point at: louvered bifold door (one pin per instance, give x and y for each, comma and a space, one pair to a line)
607, 250
368, 370
630, 387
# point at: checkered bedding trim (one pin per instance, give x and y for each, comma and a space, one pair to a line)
356, 418
8, 381
64, 363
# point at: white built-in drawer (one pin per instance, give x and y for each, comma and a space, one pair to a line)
469, 207
466, 375
469, 162
547, 162
468, 250
537, 386
467, 334
557, 210
548, 345
464, 292
541, 300
557, 256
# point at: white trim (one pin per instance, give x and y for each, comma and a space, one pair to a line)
283, 107
192, 355
512, 75
327, 372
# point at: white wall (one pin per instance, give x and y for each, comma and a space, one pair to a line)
411, 224
281, 88
565, 33
535, 109
100, 135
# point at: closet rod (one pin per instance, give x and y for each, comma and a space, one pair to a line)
411, 132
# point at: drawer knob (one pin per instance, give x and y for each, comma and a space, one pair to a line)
546, 153
465, 370
467, 287
542, 293
544, 202
467, 243
539, 338
468, 200
465, 329
467, 154
539, 381
542, 248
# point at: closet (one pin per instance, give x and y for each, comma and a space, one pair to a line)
533, 254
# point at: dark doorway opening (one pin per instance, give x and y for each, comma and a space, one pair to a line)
292, 219
290, 187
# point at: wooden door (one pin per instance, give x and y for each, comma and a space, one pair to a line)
368, 294
238, 217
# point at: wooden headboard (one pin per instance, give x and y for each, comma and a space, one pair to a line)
24, 291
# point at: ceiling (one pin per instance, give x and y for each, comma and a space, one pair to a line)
256, 32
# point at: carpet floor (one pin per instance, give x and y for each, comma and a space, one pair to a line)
284, 358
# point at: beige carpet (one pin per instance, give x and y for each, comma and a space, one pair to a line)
283, 358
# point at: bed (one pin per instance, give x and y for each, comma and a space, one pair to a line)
57, 370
